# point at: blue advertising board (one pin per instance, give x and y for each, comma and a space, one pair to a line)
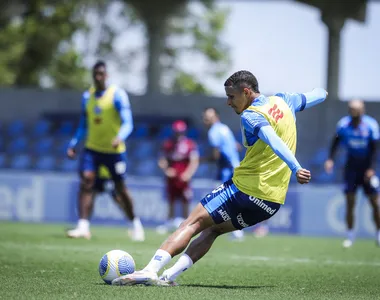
312, 210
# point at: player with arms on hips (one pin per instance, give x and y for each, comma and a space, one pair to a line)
258, 187
179, 161
225, 150
106, 121
359, 134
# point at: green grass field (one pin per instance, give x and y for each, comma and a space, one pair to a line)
38, 262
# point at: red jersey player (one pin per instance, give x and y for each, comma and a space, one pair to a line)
179, 161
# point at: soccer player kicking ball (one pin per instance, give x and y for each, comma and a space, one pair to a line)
258, 187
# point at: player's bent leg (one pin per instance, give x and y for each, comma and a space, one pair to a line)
196, 250
201, 245
86, 203
125, 199
126, 203
198, 220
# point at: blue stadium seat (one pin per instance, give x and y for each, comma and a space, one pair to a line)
322, 177
193, 133
43, 146
41, 128
61, 146
238, 136
3, 160
143, 150
16, 128
18, 145
203, 171
140, 131
203, 148
2, 144
146, 167
68, 165
66, 128
45, 163
165, 132
21, 162
320, 157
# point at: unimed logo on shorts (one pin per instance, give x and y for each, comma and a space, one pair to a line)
241, 221
225, 216
262, 205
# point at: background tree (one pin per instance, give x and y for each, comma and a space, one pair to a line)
51, 43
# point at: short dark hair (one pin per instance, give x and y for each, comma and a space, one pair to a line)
212, 108
98, 64
243, 79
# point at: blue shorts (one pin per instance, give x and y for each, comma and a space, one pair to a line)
115, 163
225, 174
226, 202
354, 178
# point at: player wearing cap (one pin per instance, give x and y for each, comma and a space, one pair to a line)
179, 160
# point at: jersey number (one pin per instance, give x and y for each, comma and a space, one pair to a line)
276, 113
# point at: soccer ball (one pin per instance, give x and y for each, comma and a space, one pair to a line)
114, 264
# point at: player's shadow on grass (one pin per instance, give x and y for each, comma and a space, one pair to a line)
229, 287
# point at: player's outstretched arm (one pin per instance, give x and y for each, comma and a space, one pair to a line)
299, 102
123, 106
269, 136
81, 130
316, 96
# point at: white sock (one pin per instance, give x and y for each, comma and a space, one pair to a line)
238, 233
183, 263
378, 236
84, 225
158, 261
137, 224
350, 235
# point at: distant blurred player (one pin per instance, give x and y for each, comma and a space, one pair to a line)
359, 133
225, 150
258, 187
106, 121
179, 161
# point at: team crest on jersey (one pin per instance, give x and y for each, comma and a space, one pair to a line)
97, 120
97, 110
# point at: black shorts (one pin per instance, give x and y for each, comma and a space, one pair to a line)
354, 178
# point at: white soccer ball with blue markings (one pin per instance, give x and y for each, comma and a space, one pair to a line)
114, 264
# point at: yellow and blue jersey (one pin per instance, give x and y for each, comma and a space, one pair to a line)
258, 188
105, 115
269, 134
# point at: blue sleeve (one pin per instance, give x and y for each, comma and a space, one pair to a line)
375, 134
214, 138
123, 106
253, 121
340, 127
82, 127
269, 136
298, 102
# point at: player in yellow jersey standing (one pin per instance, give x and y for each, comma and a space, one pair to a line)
105, 123
258, 187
